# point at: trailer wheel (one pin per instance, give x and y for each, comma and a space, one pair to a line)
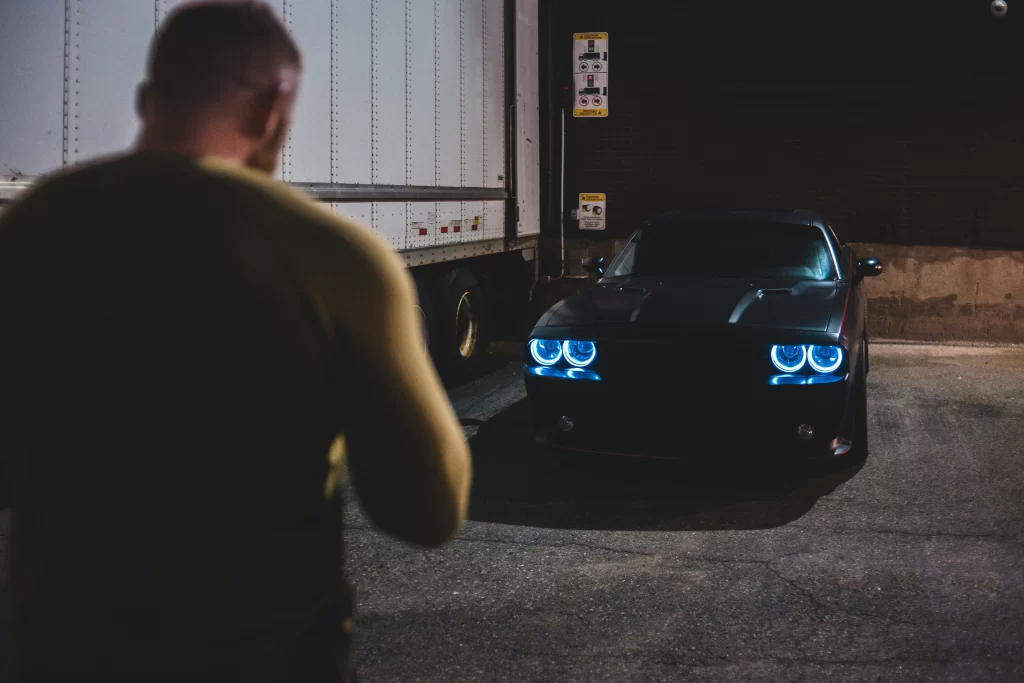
460, 331
425, 310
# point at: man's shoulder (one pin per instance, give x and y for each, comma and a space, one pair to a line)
312, 224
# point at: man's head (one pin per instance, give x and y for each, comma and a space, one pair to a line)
221, 80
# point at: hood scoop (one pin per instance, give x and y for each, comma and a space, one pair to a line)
762, 293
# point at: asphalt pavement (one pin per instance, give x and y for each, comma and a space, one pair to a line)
907, 568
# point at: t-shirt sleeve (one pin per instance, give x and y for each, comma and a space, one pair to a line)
407, 454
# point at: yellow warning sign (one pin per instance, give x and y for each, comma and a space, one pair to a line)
591, 211
589, 36
590, 112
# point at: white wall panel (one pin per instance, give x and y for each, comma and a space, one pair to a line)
449, 216
307, 154
472, 212
389, 221
494, 220
420, 218
350, 132
359, 212
527, 118
494, 93
31, 86
449, 89
419, 33
113, 39
165, 7
389, 136
282, 7
472, 94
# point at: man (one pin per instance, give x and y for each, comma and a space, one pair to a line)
183, 340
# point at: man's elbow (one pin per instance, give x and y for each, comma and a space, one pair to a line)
440, 522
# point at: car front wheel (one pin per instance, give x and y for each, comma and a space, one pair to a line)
857, 413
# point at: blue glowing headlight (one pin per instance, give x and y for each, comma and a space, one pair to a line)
789, 358
579, 353
546, 351
825, 358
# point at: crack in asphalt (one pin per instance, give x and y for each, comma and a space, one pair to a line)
818, 604
886, 661
901, 532
807, 593
541, 544
670, 659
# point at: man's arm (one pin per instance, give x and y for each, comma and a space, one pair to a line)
409, 459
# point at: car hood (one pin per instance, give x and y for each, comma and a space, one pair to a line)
781, 303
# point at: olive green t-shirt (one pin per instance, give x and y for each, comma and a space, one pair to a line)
181, 342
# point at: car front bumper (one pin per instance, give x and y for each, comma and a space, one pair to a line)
677, 418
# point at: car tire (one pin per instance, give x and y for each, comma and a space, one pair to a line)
460, 323
425, 311
858, 412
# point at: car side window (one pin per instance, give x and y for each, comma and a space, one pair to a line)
625, 261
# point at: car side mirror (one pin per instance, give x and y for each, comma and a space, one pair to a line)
594, 264
869, 267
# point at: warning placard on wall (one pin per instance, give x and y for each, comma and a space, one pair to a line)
590, 74
590, 52
591, 94
591, 211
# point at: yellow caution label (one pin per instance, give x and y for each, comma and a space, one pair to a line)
591, 197
336, 467
590, 112
590, 36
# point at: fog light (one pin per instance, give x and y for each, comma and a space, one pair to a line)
565, 423
840, 446
805, 432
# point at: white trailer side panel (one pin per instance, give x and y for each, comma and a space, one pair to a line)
165, 7
421, 92
494, 118
31, 90
448, 113
420, 119
307, 153
448, 129
111, 39
394, 92
472, 114
527, 118
351, 68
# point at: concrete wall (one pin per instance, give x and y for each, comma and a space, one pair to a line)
946, 294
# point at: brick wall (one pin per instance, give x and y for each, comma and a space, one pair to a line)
903, 122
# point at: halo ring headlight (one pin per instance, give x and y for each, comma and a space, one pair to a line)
546, 351
825, 359
789, 358
580, 354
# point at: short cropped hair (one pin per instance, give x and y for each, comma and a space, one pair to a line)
206, 50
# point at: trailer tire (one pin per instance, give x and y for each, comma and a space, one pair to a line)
425, 311
460, 329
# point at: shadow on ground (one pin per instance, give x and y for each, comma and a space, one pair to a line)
516, 482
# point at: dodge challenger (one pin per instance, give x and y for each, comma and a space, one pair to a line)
743, 331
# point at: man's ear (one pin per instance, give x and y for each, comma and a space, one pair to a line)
268, 108
142, 100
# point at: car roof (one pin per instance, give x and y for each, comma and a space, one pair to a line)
793, 216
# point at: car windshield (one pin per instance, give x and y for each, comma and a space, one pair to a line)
727, 250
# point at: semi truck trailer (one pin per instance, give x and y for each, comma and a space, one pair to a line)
418, 118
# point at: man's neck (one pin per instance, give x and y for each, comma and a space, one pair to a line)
208, 141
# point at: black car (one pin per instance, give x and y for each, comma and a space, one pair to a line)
711, 331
